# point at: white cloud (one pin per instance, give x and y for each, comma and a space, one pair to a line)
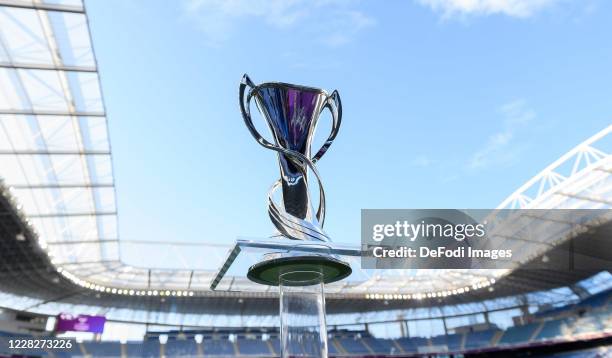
343, 28
333, 22
500, 147
515, 8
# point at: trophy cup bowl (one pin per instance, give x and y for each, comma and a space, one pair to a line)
292, 112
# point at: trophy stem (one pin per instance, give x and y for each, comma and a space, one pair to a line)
302, 314
296, 196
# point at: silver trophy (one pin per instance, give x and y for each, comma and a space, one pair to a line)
292, 113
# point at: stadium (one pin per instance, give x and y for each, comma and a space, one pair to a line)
63, 276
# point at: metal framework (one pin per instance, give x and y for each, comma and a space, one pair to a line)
579, 177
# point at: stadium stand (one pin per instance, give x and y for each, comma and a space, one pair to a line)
102, 349
331, 347
134, 349
411, 345
451, 342
247, 346
519, 334
296, 347
479, 339
275, 343
380, 346
588, 319
151, 349
553, 329
353, 345
594, 302
4, 344
181, 348
218, 346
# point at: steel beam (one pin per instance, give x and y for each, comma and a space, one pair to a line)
79, 242
42, 6
54, 152
46, 67
56, 215
61, 186
33, 112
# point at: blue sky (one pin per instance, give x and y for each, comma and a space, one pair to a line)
447, 103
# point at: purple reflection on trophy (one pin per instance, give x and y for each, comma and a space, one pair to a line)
292, 112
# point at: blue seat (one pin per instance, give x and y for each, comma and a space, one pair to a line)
411, 345
218, 347
151, 348
518, 334
253, 347
353, 345
103, 349
479, 339
381, 346
331, 347
554, 329
181, 348
275, 342
451, 341
133, 349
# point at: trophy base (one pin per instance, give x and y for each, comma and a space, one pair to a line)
302, 268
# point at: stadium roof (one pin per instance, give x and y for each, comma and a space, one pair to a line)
55, 158
54, 147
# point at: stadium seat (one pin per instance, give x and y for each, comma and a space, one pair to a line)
593, 321
331, 347
253, 347
133, 349
218, 347
103, 349
353, 346
554, 329
176, 348
411, 345
479, 339
296, 347
452, 342
151, 348
519, 334
380, 346
4, 345
275, 342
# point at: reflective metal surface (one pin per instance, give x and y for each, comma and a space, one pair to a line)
292, 113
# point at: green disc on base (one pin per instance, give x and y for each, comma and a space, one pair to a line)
268, 272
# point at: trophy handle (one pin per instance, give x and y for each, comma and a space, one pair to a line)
334, 105
245, 108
